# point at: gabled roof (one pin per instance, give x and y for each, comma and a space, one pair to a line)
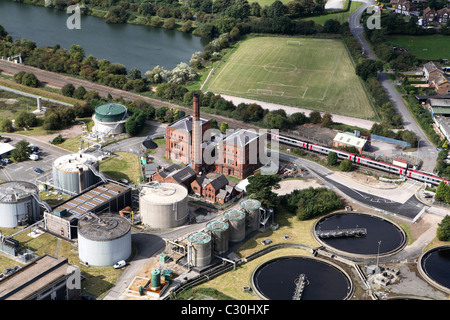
430, 66
219, 182
185, 123
182, 174
349, 139
242, 137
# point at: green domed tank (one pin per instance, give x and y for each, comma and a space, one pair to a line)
110, 112
156, 279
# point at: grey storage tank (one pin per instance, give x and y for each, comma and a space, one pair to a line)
251, 207
73, 173
220, 236
236, 220
201, 250
104, 239
17, 204
163, 205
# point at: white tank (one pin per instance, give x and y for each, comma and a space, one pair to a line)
72, 173
17, 203
104, 239
163, 205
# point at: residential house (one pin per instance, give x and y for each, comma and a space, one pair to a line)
431, 71
428, 16
199, 183
441, 84
406, 8
225, 194
213, 187
442, 15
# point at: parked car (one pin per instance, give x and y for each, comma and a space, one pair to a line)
5, 140
38, 170
33, 157
120, 264
5, 161
266, 241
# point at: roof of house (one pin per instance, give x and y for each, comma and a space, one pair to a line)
219, 182
440, 79
202, 180
182, 174
222, 194
349, 139
440, 103
241, 137
430, 66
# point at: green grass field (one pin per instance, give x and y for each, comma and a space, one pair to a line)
315, 74
433, 47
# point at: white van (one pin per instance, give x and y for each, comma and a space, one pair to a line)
34, 157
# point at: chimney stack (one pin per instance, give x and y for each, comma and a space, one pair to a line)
196, 158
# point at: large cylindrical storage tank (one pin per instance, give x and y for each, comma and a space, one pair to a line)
251, 207
220, 235
201, 254
109, 119
236, 220
72, 173
17, 204
163, 205
104, 239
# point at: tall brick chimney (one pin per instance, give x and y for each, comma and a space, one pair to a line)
196, 158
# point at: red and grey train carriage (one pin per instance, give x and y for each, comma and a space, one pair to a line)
356, 158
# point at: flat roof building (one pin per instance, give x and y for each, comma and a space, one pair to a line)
46, 278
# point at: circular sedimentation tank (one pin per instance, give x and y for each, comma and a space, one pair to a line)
251, 206
305, 278
220, 234
104, 239
381, 236
201, 249
236, 220
72, 173
17, 203
434, 265
163, 205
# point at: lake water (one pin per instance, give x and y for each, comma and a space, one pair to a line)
142, 47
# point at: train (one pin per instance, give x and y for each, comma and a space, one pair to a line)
361, 160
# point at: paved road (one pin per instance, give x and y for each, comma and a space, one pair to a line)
427, 151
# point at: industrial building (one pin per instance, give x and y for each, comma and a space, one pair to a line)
74, 173
349, 139
18, 203
236, 155
110, 196
163, 205
103, 239
109, 119
46, 278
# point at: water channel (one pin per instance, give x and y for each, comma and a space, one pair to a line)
143, 47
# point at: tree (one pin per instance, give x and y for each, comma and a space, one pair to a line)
21, 152
30, 80
26, 119
346, 165
134, 74
169, 24
6, 125
79, 93
443, 230
326, 120
223, 127
315, 117
260, 188
368, 68
332, 158
68, 90
160, 113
